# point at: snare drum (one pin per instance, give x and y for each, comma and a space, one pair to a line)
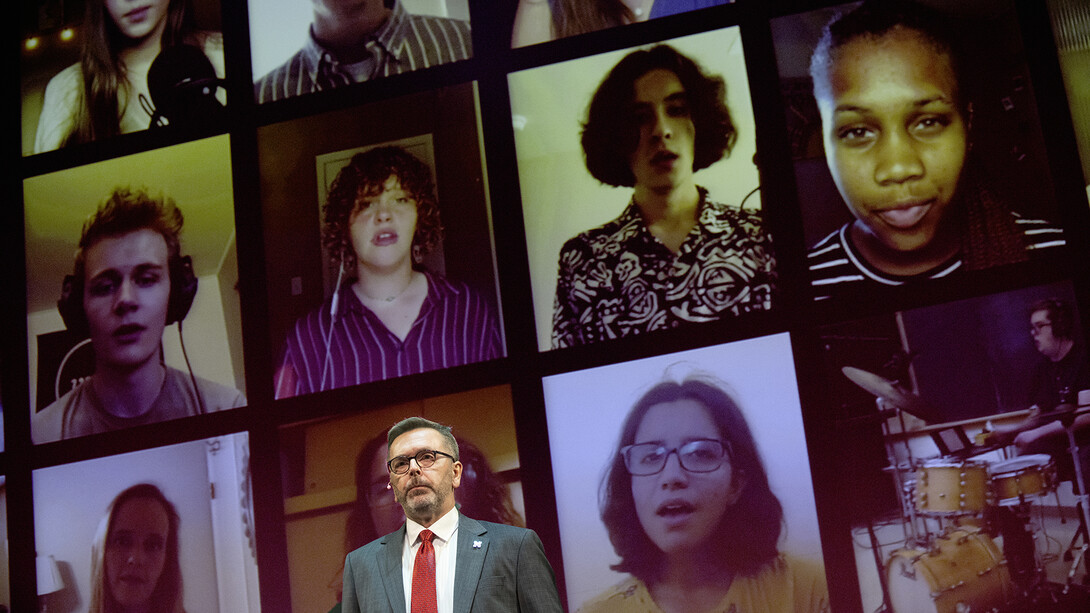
963, 571
1018, 479
946, 487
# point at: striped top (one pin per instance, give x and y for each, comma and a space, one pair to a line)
404, 43
837, 266
455, 326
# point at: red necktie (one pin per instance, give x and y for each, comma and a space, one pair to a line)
423, 597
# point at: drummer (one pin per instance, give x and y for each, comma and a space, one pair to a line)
1059, 376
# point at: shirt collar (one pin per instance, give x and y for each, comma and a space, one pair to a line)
870, 271
391, 33
388, 36
632, 212
705, 216
443, 528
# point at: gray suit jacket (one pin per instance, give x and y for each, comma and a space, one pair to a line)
508, 572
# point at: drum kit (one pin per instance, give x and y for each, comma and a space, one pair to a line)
952, 507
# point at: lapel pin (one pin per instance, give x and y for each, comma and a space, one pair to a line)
477, 544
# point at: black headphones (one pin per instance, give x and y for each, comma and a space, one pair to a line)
183, 288
1060, 314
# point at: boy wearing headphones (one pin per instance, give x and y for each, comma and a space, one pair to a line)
1060, 376
130, 282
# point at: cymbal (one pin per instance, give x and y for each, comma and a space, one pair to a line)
893, 393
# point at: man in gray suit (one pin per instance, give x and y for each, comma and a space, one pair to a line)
439, 560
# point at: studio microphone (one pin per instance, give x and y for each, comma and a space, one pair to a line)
182, 84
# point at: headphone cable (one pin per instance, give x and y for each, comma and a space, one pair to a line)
192, 377
332, 322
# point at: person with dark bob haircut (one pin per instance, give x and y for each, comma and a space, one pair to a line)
609, 140
391, 317
675, 255
896, 107
708, 525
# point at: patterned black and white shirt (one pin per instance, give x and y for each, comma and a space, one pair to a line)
837, 266
406, 42
618, 279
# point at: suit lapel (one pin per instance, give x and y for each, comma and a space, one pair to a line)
472, 549
390, 568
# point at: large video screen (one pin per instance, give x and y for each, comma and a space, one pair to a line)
750, 305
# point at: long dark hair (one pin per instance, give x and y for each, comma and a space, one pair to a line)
103, 72
749, 531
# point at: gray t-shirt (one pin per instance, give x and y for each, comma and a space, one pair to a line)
80, 412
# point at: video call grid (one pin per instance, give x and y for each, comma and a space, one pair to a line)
246, 119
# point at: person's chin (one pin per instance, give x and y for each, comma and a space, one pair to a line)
137, 31
383, 261
128, 357
895, 240
663, 183
422, 501
131, 596
909, 243
673, 543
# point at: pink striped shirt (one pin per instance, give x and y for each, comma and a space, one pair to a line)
455, 326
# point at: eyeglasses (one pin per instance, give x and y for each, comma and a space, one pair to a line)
1039, 327
699, 456
424, 458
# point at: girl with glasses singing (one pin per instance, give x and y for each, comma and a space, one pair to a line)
708, 528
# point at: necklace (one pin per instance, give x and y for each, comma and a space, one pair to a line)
388, 298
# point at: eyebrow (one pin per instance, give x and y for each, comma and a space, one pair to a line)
674, 97
139, 268
854, 108
412, 454
686, 440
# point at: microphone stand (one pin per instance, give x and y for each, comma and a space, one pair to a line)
1068, 422
908, 509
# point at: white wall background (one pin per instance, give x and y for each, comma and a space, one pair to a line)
585, 410
559, 197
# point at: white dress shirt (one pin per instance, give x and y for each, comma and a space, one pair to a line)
446, 553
